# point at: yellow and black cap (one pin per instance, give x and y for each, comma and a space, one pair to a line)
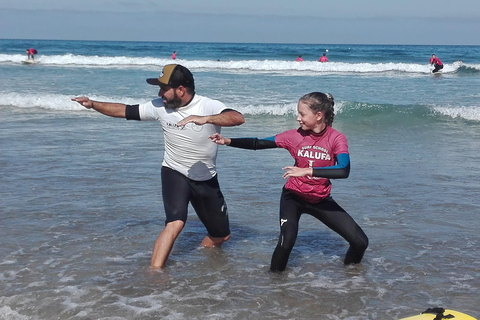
174, 75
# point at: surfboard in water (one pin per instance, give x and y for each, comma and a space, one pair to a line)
440, 314
28, 61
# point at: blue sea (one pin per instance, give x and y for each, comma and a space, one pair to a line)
80, 193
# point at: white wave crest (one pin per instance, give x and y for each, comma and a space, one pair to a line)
232, 65
463, 112
50, 101
63, 103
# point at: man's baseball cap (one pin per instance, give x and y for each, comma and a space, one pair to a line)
174, 75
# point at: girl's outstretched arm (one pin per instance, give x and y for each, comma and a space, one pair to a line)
245, 143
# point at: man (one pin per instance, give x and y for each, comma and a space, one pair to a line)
188, 168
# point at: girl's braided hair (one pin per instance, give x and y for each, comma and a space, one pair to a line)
320, 102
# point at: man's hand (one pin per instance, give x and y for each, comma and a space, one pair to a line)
84, 101
198, 120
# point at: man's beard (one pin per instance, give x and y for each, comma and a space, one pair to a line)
173, 103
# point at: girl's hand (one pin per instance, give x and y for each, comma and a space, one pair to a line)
296, 172
219, 139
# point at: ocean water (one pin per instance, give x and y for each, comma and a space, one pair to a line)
80, 193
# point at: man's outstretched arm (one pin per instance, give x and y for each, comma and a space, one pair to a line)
111, 109
227, 118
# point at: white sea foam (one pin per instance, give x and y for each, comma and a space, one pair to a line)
50, 101
63, 103
463, 112
6, 313
71, 60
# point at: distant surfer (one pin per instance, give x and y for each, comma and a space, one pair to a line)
323, 58
188, 171
31, 53
299, 58
174, 55
320, 153
437, 63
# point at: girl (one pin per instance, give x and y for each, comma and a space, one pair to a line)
321, 154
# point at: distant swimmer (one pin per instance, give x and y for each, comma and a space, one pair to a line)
31, 53
174, 55
323, 58
299, 58
437, 63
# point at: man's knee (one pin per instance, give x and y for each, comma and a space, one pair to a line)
175, 227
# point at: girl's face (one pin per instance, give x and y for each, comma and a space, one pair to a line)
308, 119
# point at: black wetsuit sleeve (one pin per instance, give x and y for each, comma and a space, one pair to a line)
132, 112
253, 143
339, 171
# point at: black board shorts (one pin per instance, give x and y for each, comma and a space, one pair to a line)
205, 196
438, 67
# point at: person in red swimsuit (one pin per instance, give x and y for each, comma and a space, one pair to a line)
437, 63
320, 153
31, 53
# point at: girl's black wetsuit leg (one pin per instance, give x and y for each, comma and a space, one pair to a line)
290, 212
337, 219
327, 211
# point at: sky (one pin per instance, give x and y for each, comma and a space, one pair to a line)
422, 22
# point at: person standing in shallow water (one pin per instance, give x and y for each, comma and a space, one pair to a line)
320, 153
188, 169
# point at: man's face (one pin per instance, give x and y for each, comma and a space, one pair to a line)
170, 97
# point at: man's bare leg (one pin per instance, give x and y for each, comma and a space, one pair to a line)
164, 243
